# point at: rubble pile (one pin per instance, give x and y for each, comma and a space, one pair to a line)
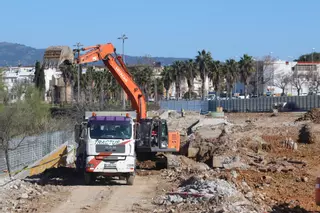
21, 196
275, 164
203, 149
312, 115
216, 195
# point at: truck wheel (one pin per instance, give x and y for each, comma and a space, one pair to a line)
130, 179
88, 178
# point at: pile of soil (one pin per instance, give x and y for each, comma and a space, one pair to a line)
312, 115
309, 134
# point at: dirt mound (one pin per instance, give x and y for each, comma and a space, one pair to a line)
312, 115
309, 134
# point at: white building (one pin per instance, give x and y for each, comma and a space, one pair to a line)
278, 72
14, 75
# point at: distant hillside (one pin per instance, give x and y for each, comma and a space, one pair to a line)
12, 54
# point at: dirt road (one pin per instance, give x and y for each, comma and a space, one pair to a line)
109, 198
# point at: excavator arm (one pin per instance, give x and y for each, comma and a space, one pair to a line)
119, 71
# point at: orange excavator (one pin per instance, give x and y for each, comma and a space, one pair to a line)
152, 137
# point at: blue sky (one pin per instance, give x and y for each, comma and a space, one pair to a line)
226, 28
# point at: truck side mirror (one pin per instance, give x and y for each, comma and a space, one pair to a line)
77, 133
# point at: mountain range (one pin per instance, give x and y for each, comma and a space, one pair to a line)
13, 54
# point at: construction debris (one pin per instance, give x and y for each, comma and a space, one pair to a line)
312, 115
216, 195
22, 196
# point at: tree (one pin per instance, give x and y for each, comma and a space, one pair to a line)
298, 80
68, 74
142, 75
281, 81
36, 73
203, 59
157, 86
265, 71
246, 66
166, 78
39, 78
231, 74
191, 73
178, 75
216, 75
314, 83
308, 57
21, 119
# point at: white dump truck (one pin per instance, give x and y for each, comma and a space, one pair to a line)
106, 145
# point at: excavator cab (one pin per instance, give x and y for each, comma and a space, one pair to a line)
155, 137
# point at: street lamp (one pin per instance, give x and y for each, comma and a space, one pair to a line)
312, 54
257, 76
123, 37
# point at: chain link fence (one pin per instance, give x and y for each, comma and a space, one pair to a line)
28, 150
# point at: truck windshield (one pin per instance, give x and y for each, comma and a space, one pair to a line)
110, 130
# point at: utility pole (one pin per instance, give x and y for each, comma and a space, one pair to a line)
78, 45
123, 37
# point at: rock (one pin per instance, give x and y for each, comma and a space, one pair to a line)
267, 179
192, 152
295, 146
263, 169
217, 162
234, 174
305, 179
249, 195
24, 196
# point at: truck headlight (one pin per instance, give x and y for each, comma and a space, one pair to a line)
163, 145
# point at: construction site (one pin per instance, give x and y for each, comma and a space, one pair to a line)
241, 162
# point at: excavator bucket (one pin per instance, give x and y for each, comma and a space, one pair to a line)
56, 56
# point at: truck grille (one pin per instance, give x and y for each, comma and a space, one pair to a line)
111, 148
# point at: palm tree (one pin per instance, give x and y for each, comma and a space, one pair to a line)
166, 78
216, 75
68, 73
178, 75
157, 88
100, 79
203, 60
191, 73
231, 74
143, 77
246, 66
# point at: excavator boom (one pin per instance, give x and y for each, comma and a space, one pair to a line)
119, 71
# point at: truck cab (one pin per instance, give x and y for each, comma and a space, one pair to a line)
106, 145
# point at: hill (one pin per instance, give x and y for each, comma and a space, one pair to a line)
12, 54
